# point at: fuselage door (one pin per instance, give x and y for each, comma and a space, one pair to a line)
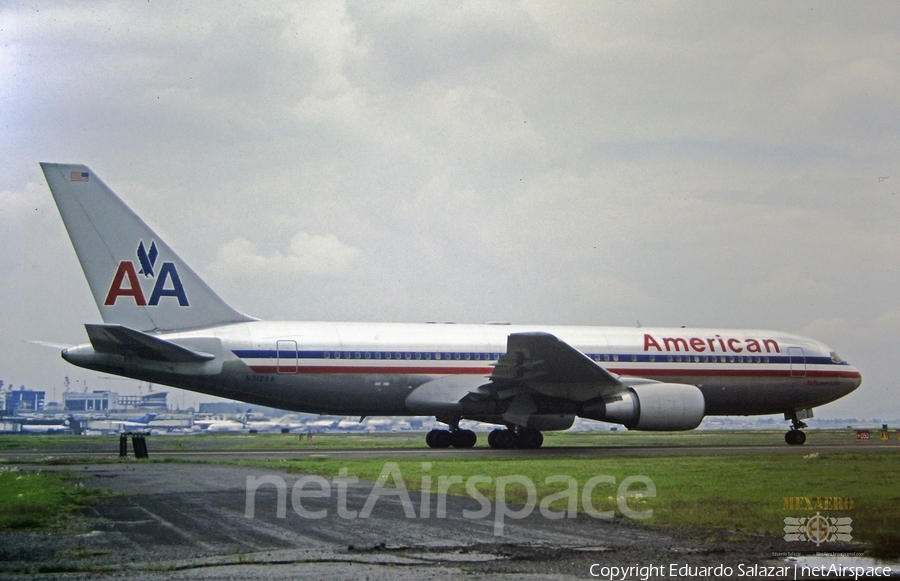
798, 361
286, 356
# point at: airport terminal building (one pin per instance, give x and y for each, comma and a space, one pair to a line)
111, 401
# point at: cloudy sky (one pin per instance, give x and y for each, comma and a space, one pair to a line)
700, 164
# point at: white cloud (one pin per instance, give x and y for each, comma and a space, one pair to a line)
307, 254
557, 162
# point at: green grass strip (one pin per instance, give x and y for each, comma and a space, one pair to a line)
41, 500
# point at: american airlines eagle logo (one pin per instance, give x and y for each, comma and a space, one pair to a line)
126, 281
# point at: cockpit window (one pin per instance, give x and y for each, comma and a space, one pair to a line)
836, 358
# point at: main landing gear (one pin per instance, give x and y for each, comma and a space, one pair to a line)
794, 436
515, 438
453, 437
499, 438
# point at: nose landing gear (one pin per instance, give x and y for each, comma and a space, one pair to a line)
794, 436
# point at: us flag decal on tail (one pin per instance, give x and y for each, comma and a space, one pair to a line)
79, 176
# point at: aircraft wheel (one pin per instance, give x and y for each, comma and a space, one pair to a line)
795, 437
464, 439
529, 439
506, 439
442, 439
502, 439
429, 438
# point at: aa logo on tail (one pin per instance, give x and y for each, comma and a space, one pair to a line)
125, 282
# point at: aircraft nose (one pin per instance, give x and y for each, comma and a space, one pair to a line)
853, 379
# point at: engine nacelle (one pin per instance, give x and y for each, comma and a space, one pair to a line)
652, 407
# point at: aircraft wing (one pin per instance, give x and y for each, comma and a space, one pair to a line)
552, 367
542, 364
541, 359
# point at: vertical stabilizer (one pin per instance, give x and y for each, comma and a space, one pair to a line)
135, 277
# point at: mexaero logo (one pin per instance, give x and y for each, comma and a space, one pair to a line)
125, 282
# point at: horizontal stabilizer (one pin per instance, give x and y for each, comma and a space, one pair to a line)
51, 344
124, 341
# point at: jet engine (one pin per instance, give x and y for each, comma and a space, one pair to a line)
651, 406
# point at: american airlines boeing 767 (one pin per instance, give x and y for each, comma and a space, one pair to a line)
162, 323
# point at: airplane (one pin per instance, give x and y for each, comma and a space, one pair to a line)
38, 428
135, 423
163, 324
226, 426
322, 425
286, 422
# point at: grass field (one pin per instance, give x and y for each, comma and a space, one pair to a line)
40, 500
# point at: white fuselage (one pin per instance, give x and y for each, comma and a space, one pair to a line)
371, 368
